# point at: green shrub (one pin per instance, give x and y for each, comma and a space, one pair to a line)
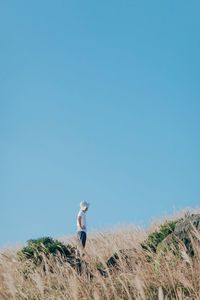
157, 237
36, 248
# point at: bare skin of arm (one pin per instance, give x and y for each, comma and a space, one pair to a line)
79, 222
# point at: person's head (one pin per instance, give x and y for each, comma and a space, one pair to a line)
84, 206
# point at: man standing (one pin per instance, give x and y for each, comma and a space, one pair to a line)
81, 223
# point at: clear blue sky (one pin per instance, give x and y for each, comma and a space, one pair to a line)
99, 101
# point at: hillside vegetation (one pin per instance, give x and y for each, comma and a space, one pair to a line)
129, 262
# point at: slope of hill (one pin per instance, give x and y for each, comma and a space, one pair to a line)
123, 263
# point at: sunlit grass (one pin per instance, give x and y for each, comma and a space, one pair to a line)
158, 276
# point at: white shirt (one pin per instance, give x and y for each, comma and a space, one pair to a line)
81, 214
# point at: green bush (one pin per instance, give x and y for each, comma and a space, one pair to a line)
157, 237
36, 248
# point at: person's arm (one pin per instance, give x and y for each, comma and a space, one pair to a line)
79, 222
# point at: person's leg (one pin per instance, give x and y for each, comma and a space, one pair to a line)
83, 238
81, 235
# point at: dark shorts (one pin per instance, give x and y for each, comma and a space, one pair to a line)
82, 237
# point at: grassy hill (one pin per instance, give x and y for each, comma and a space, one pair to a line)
121, 263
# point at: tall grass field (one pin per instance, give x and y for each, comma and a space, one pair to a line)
126, 262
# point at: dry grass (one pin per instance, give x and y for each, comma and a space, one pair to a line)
168, 277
